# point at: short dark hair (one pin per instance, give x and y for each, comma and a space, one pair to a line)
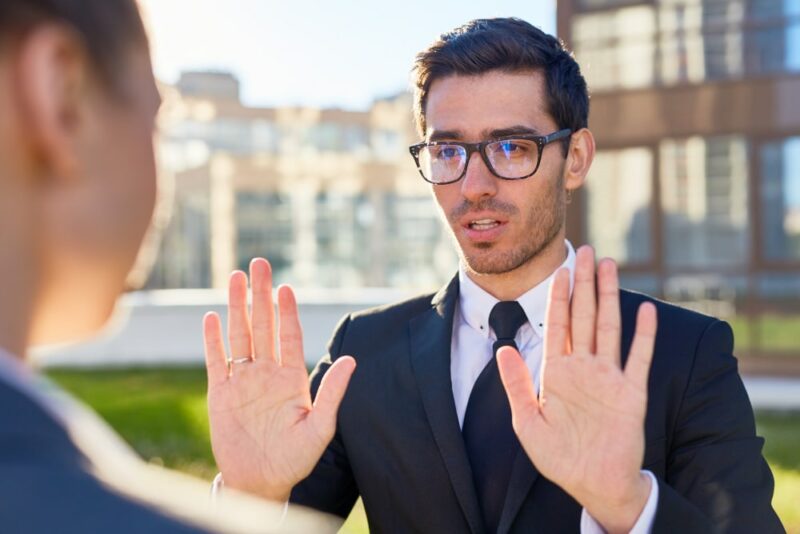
107, 28
511, 45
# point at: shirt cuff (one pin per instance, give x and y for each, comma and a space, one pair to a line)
643, 525
216, 490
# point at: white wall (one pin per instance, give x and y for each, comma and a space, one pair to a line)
164, 327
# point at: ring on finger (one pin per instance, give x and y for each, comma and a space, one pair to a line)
243, 359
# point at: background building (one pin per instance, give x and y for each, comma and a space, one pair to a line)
696, 186
331, 197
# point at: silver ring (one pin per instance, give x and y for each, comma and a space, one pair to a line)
245, 359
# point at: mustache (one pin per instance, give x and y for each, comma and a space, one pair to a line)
487, 204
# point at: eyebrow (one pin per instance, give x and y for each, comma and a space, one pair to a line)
456, 135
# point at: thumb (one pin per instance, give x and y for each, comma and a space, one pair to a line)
330, 394
518, 385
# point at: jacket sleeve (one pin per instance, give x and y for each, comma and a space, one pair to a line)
716, 479
330, 487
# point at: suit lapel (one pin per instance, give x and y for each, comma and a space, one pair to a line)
431, 335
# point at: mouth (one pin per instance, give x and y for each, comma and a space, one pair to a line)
484, 228
483, 224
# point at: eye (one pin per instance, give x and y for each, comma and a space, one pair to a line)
446, 152
511, 147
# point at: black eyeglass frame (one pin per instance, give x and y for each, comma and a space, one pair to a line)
540, 140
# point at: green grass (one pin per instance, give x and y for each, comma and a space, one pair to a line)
162, 414
768, 332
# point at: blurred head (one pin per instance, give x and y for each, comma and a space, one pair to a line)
77, 173
494, 79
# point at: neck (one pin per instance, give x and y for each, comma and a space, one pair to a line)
513, 284
18, 275
19, 296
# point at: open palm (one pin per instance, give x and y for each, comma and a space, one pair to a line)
265, 432
585, 430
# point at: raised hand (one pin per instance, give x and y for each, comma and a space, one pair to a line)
265, 433
585, 431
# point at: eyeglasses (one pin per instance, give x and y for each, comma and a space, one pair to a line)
509, 158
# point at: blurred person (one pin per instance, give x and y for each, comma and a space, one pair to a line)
77, 190
530, 394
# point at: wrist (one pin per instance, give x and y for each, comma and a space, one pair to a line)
271, 493
619, 511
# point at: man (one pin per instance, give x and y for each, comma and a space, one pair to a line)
620, 429
77, 190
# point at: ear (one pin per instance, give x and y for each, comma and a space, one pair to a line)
52, 76
579, 159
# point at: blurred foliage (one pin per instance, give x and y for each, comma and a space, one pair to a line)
768, 332
162, 414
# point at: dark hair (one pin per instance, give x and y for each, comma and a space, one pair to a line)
505, 44
107, 28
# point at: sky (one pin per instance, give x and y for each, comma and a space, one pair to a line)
326, 53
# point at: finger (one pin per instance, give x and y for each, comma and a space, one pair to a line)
238, 320
263, 323
584, 305
289, 330
216, 361
557, 317
637, 367
330, 394
519, 389
609, 324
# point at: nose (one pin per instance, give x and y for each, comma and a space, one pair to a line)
478, 182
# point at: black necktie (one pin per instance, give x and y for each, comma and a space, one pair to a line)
489, 438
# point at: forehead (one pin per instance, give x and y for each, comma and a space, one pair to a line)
471, 105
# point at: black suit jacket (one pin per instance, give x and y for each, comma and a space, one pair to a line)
48, 485
398, 443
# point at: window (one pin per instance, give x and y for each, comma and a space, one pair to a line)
265, 229
619, 193
617, 49
780, 200
704, 196
678, 41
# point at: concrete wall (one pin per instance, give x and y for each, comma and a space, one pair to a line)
164, 327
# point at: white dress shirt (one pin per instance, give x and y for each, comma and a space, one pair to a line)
471, 350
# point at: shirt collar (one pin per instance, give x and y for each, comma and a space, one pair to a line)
475, 304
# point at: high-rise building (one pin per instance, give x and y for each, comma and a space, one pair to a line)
696, 186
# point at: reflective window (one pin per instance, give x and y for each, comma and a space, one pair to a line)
342, 232
264, 229
617, 49
780, 200
185, 257
704, 198
619, 193
677, 41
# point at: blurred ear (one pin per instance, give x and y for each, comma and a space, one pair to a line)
579, 159
53, 72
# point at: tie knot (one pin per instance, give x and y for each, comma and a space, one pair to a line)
506, 318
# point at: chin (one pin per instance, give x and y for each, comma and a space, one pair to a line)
83, 321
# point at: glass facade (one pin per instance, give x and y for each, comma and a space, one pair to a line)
780, 200
677, 41
185, 242
704, 200
619, 214
264, 229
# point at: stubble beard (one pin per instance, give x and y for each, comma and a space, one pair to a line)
544, 220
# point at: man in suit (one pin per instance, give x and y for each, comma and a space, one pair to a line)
626, 414
77, 191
